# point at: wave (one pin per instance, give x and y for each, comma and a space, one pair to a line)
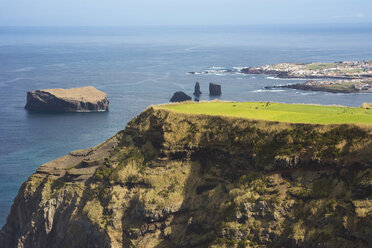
294, 79
275, 90
307, 94
219, 71
196, 73
24, 69
143, 81
14, 80
216, 70
3, 83
220, 74
264, 90
154, 80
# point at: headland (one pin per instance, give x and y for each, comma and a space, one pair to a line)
207, 175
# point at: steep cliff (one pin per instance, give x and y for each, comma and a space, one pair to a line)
84, 99
178, 180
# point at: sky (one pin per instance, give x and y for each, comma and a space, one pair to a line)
187, 12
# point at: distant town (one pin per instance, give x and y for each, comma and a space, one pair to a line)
337, 70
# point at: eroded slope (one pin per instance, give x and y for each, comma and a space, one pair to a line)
178, 180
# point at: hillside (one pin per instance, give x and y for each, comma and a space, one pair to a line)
201, 179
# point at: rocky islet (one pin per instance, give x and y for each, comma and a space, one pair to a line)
83, 99
180, 96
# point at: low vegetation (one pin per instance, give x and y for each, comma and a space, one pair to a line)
294, 113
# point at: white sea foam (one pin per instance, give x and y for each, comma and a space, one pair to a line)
213, 72
219, 71
23, 69
295, 79
13, 80
143, 81
267, 90
3, 83
153, 80
273, 78
307, 94
218, 68
90, 111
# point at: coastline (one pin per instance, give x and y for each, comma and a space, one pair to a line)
351, 76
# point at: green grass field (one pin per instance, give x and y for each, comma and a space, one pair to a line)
294, 113
319, 66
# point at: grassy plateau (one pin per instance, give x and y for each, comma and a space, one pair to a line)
293, 113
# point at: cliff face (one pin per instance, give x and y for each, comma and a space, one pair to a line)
177, 180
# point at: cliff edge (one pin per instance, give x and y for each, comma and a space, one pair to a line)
180, 180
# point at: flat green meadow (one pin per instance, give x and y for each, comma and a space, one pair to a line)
293, 113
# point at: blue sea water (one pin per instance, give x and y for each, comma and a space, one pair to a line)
140, 66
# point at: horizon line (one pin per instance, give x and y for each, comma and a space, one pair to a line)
188, 25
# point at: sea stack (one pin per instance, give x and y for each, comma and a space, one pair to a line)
214, 89
197, 91
84, 99
180, 96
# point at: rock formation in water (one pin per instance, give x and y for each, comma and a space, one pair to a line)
84, 99
214, 89
180, 96
181, 180
197, 91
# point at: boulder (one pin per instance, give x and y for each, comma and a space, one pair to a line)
197, 91
180, 96
84, 99
366, 105
214, 89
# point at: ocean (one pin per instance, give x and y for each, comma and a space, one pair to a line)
140, 66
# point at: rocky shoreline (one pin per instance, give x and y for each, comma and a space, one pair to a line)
337, 77
343, 86
288, 75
